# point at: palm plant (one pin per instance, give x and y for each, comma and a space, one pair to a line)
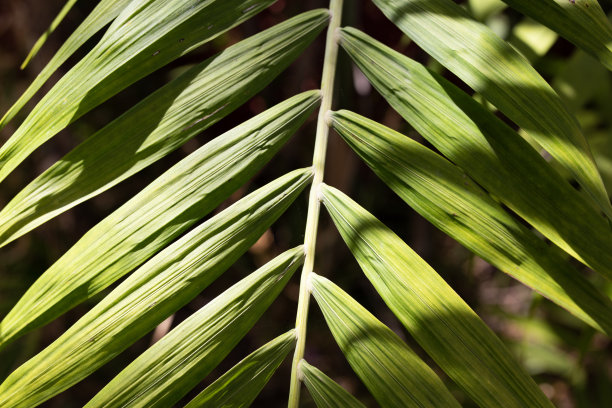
486, 185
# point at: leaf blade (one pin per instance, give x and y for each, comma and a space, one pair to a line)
163, 285
104, 13
442, 323
583, 23
487, 149
393, 373
155, 216
325, 392
493, 68
144, 37
164, 373
240, 385
450, 200
160, 123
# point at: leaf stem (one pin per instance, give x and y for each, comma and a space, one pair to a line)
314, 205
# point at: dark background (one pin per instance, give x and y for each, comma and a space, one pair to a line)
571, 363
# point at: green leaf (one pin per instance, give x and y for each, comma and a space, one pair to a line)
240, 386
438, 319
168, 370
145, 36
482, 9
104, 13
583, 22
159, 288
487, 149
157, 215
493, 68
324, 391
160, 123
393, 373
449, 199
532, 39
43, 38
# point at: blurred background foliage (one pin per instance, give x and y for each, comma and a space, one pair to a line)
571, 363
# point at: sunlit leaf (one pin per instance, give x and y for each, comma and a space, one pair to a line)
324, 391
164, 373
239, 386
443, 324
160, 287
160, 123
104, 13
450, 200
43, 38
145, 36
393, 373
155, 216
486, 149
583, 22
493, 68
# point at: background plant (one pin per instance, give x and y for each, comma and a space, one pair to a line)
505, 166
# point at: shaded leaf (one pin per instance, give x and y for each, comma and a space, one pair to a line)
160, 123
487, 149
493, 68
43, 38
239, 386
393, 373
104, 13
170, 368
159, 288
157, 215
438, 319
450, 200
324, 391
145, 36
583, 22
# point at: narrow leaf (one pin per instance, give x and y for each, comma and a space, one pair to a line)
487, 149
157, 215
439, 320
43, 38
324, 391
160, 123
145, 36
156, 290
449, 199
493, 68
240, 386
393, 373
168, 370
104, 13
583, 22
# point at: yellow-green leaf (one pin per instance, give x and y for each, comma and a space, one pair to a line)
324, 391
155, 216
439, 320
393, 373
450, 200
160, 123
583, 22
159, 288
104, 13
164, 373
239, 386
493, 68
487, 149
145, 36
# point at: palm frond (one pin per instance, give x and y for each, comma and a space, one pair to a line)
325, 392
450, 200
493, 68
144, 37
240, 386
